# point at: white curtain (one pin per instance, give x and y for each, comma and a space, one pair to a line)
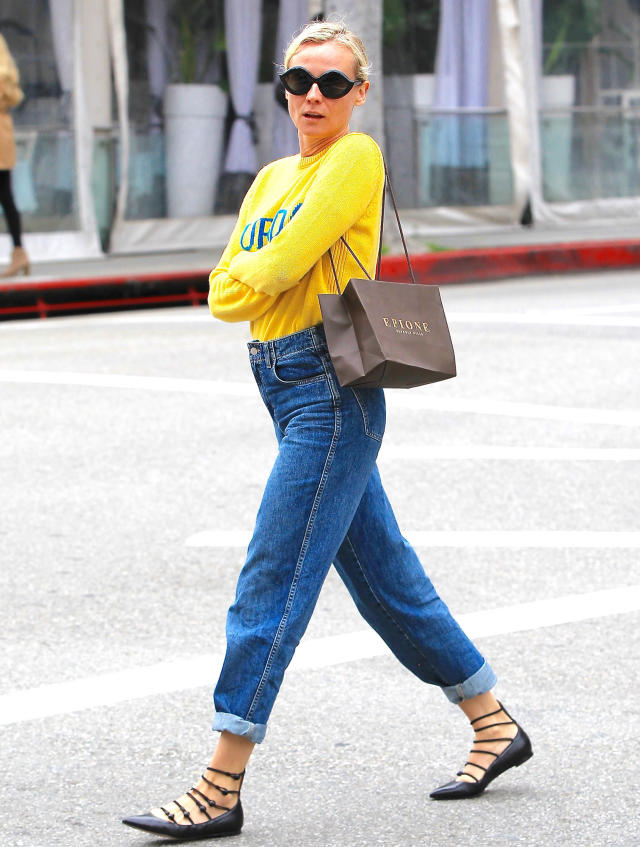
243, 28
462, 64
520, 97
118, 42
536, 27
157, 68
62, 30
292, 17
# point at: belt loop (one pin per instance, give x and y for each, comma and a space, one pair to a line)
269, 354
318, 338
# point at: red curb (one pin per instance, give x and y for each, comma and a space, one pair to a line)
47, 284
451, 266
38, 298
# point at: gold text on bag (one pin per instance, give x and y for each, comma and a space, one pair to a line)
414, 327
387, 334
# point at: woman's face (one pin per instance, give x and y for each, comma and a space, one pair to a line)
319, 119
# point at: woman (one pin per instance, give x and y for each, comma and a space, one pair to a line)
10, 96
324, 502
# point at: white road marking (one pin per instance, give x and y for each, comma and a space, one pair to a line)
193, 314
601, 309
195, 671
503, 539
417, 399
609, 315
464, 452
542, 318
138, 383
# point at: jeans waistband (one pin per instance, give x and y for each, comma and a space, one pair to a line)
271, 351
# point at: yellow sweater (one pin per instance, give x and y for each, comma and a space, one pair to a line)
276, 262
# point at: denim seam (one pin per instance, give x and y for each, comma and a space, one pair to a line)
295, 352
365, 417
384, 609
301, 556
306, 381
263, 391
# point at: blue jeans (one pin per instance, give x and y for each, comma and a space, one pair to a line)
324, 503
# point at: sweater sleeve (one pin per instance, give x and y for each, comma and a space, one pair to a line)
231, 300
337, 199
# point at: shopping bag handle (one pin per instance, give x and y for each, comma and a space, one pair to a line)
387, 183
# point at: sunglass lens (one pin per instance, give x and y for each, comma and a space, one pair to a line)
297, 81
334, 85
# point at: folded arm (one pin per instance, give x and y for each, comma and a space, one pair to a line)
229, 299
331, 206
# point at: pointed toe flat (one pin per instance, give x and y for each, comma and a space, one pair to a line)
230, 823
517, 752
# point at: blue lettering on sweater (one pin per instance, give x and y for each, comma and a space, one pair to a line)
258, 233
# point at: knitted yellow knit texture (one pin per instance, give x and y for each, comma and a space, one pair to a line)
276, 262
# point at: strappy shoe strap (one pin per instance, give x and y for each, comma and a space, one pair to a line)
491, 714
224, 791
201, 807
464, 773
478, 729
184, 811
235, 776
199, 799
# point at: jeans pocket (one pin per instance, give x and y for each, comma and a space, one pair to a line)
374, 413
299, 367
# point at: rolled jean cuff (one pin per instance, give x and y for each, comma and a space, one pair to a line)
480, 682
224, 722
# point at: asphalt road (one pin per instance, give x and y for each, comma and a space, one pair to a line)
132, 458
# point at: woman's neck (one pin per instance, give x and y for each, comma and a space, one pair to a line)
310, 146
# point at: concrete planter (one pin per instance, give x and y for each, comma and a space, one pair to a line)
194, 130
557, 96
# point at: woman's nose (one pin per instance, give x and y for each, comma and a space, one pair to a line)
314, 92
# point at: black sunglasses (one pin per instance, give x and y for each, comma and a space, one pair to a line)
332, 84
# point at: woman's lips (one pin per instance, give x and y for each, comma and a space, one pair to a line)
314, 115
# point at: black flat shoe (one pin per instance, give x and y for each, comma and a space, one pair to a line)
515, 754
229, 823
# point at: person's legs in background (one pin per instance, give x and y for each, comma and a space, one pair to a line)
19, 259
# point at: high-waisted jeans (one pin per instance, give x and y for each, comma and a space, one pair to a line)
324, 503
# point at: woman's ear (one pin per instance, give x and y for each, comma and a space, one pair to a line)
361, 94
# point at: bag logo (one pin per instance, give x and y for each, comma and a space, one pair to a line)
405, 327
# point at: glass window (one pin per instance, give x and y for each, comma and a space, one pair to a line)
169, 44
590, 99
44, 178
447, 137
173, 43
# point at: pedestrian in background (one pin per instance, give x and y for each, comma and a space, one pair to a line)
10, 96
324, 502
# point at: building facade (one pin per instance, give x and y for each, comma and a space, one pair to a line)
144, 121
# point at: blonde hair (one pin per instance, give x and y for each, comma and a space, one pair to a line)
320, 31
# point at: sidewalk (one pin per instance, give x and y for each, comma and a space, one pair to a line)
181, 278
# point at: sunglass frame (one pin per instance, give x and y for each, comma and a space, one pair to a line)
318, 80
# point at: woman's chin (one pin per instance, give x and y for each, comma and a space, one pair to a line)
312, 125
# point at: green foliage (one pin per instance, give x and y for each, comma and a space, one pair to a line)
568, 22
199, 26
394, 21
409, 35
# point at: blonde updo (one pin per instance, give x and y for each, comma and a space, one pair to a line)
320, 31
